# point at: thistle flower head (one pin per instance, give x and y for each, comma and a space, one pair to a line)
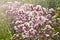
29, 17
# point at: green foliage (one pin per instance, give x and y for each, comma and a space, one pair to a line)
4, 31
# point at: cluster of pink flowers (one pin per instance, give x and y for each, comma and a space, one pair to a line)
28, 18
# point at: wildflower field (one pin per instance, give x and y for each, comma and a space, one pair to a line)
29, 19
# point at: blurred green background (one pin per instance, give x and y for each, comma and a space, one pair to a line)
5, 34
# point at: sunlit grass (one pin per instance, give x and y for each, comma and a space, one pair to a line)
4, 31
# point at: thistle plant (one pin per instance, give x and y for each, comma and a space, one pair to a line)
30, 21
